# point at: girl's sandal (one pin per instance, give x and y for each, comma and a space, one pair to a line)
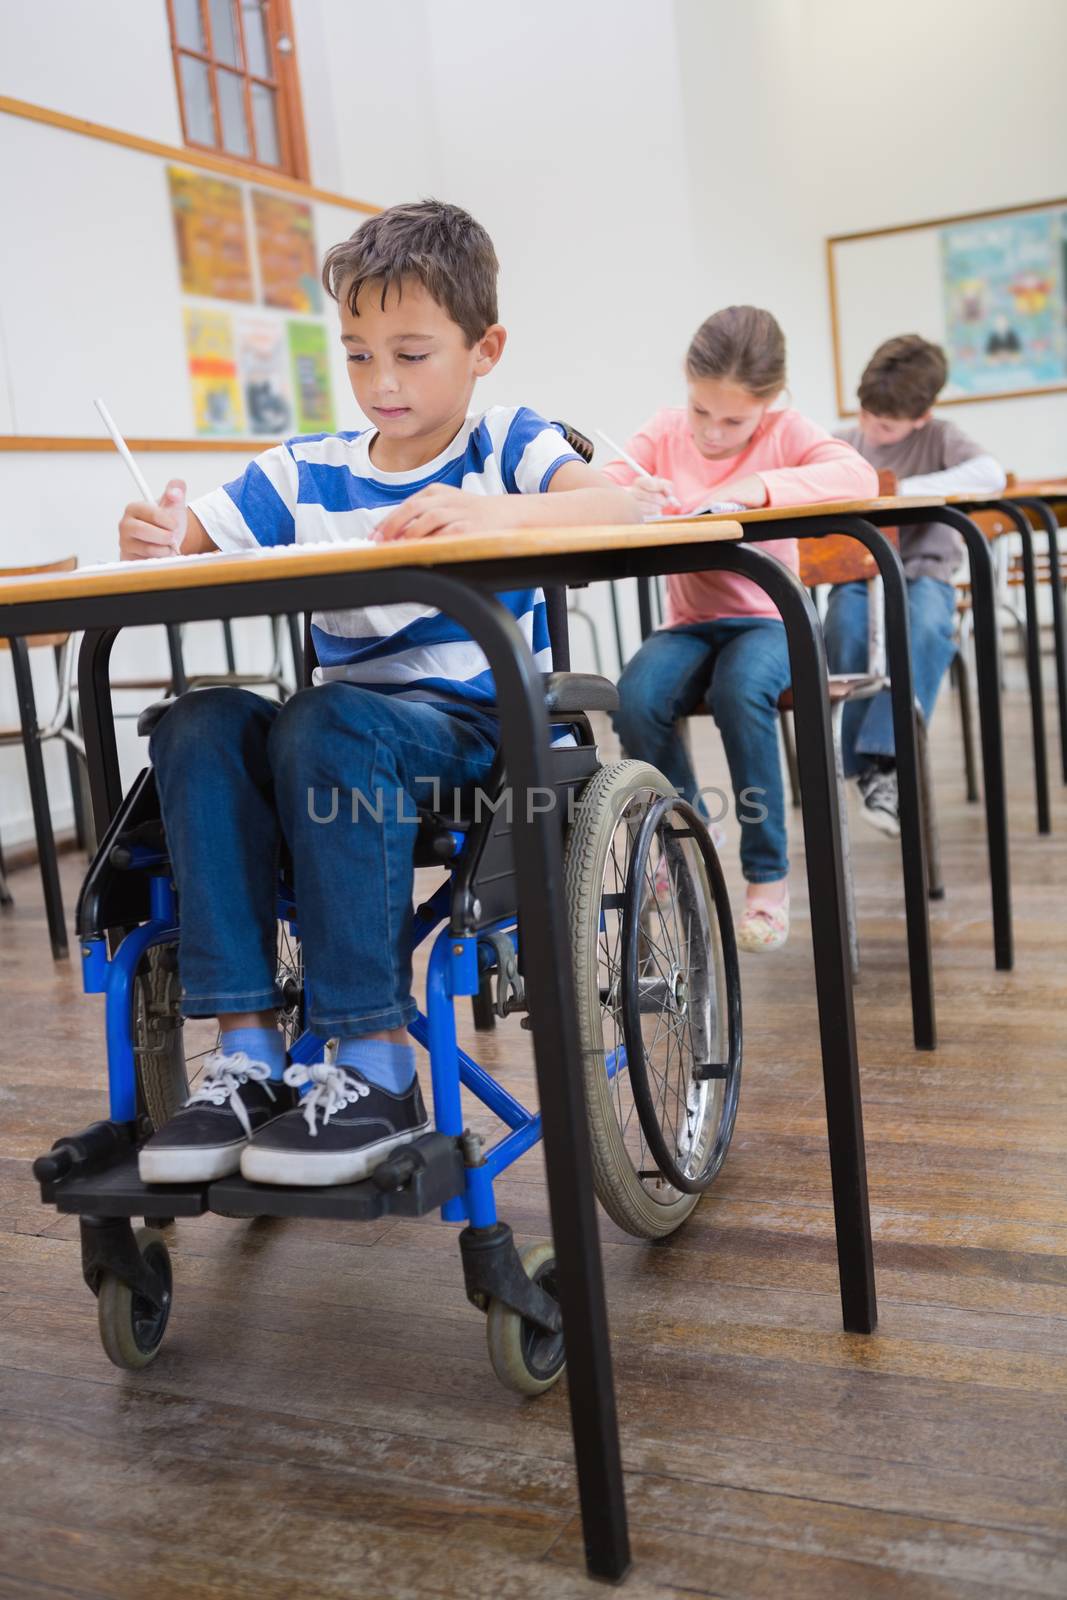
763, 928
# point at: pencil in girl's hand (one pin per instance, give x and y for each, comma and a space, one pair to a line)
622, 454
123, 449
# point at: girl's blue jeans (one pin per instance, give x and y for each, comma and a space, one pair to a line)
738, 666
337, 771
867, 725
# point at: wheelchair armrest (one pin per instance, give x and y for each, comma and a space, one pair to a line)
151, 715
569, 692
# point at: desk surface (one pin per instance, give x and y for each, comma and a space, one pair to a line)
1039, 489
1036, 489
824, 508
198, 572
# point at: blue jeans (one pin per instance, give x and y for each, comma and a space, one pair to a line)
867, 725
739, 667
237, 774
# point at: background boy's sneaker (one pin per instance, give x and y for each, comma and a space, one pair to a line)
881, 800
204, 1140
342, 1129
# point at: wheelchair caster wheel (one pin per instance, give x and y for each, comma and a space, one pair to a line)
482, 1005
131, 1327
525, 1358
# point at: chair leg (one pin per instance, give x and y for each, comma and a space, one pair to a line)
42, 818
598, 660
296, 645
617, 625
77, 792
178, 678
6, 897
846, 844
785, 722
935, 887
227, 641
962, 676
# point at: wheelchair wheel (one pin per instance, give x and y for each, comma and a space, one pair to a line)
525, 1358
169, 1050
658, 994
159, 1035
131, 1327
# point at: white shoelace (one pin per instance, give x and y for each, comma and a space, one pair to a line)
223, 1078
332, 1089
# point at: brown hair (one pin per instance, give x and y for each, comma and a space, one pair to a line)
741, 345
903, 378
442, 246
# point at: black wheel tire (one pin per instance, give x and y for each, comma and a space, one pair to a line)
525, 1358
482, 1005
131, 1328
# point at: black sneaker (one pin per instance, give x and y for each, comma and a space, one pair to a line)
881, 800
342, 1129
205, 1138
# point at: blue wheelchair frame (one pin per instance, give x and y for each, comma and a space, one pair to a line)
455, 968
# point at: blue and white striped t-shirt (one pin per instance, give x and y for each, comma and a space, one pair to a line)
324, 487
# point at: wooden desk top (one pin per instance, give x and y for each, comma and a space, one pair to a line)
293, 561
822, 508
1038, 489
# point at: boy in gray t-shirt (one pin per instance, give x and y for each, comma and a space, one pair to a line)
897, 433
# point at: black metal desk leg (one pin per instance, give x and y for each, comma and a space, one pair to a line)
42, 815
826, 890
547, 963
912, 837
987, 668
1033, 659
1047, 518
98, 726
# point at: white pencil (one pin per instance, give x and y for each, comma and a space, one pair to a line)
622, 455
123, 449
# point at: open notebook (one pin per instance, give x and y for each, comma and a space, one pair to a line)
229, 555
718, 508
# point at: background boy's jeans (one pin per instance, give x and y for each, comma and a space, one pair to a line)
739, 666
235, 772
867, 725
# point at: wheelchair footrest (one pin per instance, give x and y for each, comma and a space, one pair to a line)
417, 1178
117, 1191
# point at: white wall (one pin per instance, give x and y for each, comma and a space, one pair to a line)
110, 63
638, 162
806, 118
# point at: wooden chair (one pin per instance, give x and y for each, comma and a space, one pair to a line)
837, 559
32, 735
180, 680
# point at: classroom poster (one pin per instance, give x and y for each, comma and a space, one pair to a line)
288, 261
209, 224
1005, 304
311, 377
217, 403
262, 361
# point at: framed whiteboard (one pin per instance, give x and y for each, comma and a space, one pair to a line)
989, 286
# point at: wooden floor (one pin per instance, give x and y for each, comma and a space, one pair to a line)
323, 1421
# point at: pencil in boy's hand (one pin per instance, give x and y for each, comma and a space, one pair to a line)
135, 472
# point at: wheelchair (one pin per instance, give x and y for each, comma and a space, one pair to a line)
658, 1015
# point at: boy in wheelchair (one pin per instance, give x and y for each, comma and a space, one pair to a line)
402, 710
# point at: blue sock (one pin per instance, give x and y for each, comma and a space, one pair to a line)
259, 1044
386, 1065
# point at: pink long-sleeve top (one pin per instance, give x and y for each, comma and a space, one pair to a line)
799, 463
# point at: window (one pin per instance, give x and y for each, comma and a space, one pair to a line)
237, 83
